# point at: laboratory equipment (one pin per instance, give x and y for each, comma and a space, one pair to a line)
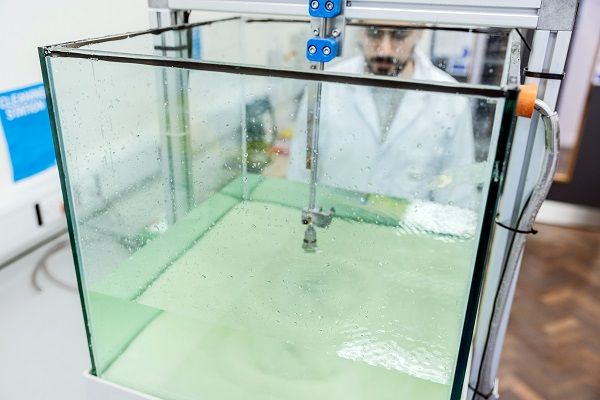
198, 276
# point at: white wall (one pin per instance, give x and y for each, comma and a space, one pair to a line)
579, 71
25, 25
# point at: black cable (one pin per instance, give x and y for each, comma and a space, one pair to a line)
531, 231
524, 40
485, 396
544, 75
42, 265
487, 337
502, 275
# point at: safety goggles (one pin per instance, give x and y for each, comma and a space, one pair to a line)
396, 35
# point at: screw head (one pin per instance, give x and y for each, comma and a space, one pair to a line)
329, 5
335, 33
312, 49
314, 4
316, 32
326, 50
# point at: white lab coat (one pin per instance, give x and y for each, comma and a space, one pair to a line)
430, 139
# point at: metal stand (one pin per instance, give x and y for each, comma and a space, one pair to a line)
486, 386
175, 151
549, 53
324, 29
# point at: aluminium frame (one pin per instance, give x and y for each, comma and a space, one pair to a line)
552, 22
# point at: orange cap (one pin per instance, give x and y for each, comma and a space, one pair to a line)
526, 100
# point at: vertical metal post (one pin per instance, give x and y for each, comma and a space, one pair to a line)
549, 53
315, 90
478, 59
175, 148
243, 122
312, 216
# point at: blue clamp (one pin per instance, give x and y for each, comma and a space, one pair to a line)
321, 49
324, 8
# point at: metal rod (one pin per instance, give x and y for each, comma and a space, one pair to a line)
353, 22
312, 141
312, 161
481, 91
244, 126
508, 13
172, 84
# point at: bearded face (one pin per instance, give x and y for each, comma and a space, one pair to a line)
387, 51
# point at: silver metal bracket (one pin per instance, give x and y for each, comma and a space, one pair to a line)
317, 217
514, 66
557, 15
330, 28
312, 218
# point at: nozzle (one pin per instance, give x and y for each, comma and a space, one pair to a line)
310, 239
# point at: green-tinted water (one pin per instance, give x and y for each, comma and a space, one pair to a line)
227, 305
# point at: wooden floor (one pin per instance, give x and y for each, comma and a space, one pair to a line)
552, 349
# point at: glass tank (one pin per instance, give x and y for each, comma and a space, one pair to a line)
247, 227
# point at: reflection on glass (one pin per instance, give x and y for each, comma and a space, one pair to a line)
465, 56
223, 302
404, 144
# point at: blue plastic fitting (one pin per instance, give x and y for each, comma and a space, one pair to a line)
321, 49
324, 8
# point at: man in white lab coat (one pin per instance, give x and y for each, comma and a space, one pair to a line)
399, 143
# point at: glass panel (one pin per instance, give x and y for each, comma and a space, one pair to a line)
187, 192
467, 55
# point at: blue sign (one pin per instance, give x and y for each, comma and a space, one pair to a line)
197, 43
25, 122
